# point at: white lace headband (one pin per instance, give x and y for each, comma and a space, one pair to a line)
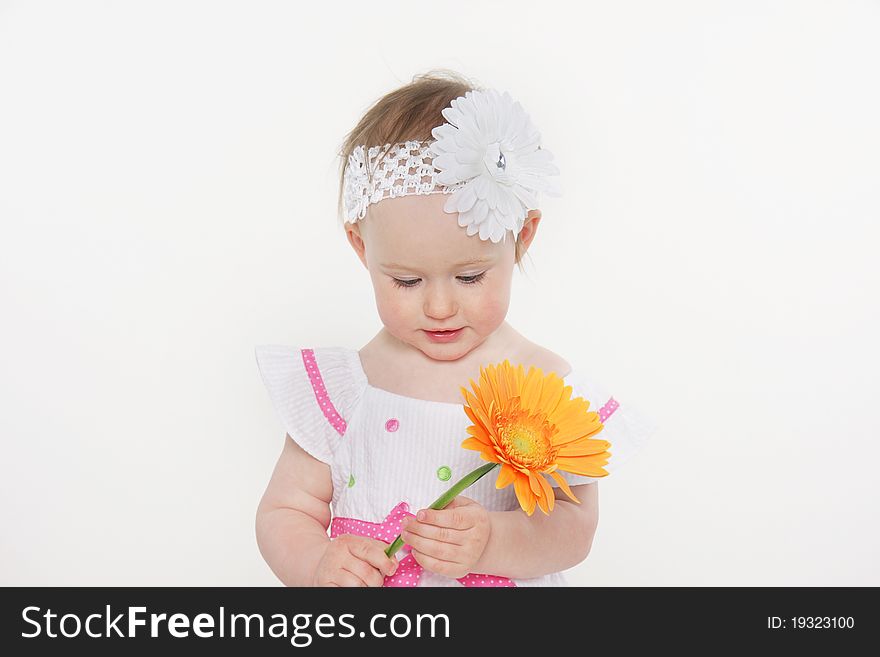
488, 156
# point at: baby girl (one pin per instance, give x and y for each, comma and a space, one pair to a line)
439, 196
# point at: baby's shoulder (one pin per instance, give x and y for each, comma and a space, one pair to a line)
314, 390
548, 361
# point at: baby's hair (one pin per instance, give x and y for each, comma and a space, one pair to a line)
407, 113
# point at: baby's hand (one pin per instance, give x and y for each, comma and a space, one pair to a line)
350, 560
449, 541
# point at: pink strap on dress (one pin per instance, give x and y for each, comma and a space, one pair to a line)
408, 569
321, 395
606, 411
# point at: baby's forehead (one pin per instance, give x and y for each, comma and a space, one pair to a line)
401, 206
413, 229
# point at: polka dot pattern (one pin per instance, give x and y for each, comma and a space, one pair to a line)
392, 425
610, 406
409, 571
444, 473
326, 406
480, 580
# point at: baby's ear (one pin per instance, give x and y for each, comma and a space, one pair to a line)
530, 225
353, 233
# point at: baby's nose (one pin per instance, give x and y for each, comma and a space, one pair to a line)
440, 303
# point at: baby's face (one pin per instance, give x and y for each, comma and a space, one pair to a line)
419, 260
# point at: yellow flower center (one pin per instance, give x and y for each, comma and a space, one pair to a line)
525, 439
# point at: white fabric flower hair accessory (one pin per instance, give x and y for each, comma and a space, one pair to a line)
488, 156
491, 145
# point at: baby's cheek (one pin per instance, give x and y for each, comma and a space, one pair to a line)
389, 312
393, 312
493, 307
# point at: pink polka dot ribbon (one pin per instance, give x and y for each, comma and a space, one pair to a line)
608, 409
408, 569
321, 395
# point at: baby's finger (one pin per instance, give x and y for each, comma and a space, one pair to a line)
373, 552
347, 579
460, 500
435, 549
452, 518
366, 572
443, 534
439, 566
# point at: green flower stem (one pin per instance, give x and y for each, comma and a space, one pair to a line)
447, 497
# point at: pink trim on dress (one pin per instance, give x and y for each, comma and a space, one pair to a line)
408, 569
610, 406
334, 418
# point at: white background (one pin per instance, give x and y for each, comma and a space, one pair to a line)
167, 195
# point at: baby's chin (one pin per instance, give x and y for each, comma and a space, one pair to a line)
449, 356
452, 350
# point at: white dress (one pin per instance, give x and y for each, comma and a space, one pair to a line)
384, 448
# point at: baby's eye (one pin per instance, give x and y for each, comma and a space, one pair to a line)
467, 280
400, 283
470, 280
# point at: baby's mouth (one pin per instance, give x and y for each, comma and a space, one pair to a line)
449, 333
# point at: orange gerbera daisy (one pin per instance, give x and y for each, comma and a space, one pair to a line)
528, 423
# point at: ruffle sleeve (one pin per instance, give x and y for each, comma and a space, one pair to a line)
313, 393
626, 427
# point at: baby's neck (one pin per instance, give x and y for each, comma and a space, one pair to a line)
398, 367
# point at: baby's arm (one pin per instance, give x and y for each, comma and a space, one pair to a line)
522, 546
291, 527
466, 538
293, 515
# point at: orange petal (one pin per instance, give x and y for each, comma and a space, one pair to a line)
519, 377
478, 432
502, 401
471, 414
542, 504
524, 494
501, 386
564, 398
568, 410
548, 496
483, 416
506, 477
470, 400
531, 389
551, 394
563, 484
583, 465
475, 391
535, 484
489, 454
584, 448
473, 443
578, 432
487, 377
